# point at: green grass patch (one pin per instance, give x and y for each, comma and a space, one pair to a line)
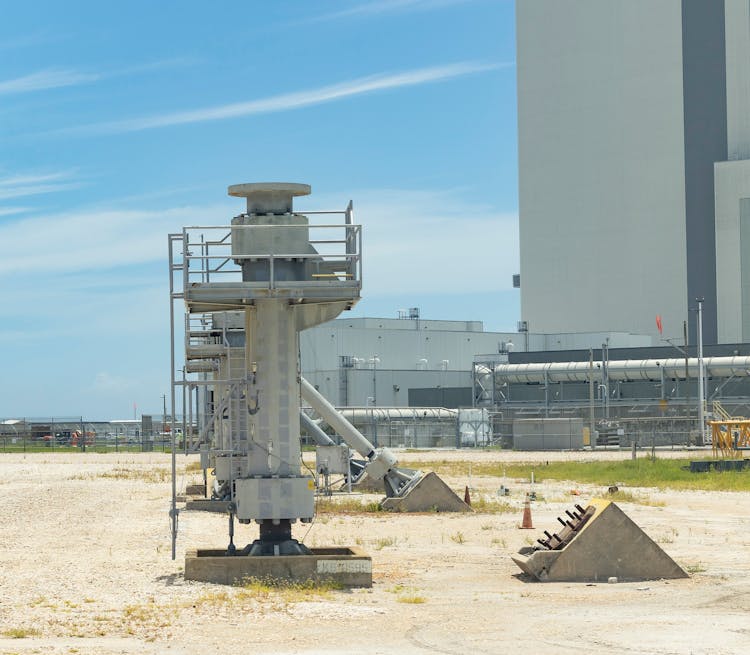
346, 505
642, 472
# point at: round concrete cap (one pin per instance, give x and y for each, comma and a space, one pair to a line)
285, 188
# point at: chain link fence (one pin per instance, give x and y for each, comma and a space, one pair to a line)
80, 435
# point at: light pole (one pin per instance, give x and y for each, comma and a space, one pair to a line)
164, 415
603, 391
605, 377
701, 402
374, 360
592, 438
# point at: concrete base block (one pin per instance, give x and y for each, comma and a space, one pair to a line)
349, 567
195, 490
430, 494
205, 505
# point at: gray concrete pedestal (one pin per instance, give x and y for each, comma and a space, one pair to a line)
347, 566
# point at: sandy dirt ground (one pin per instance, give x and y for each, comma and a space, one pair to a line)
85, 567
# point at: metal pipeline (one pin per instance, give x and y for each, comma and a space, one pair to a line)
627, 369
314, 430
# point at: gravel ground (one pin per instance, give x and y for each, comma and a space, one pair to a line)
85, 567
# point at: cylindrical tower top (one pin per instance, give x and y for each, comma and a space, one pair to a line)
269, 197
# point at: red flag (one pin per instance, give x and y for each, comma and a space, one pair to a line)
658, 323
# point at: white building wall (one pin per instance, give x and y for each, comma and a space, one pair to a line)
601, 165
404, 348
737, 35
732, 184
411, 354
390, 388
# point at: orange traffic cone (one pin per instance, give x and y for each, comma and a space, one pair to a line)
467, 497
526, 522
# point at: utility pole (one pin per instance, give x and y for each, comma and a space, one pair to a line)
605, 377
687, 376
164, 415
592, 438
701, 408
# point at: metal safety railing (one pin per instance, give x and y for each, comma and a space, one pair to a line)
207, 254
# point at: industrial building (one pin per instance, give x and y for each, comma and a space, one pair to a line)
410, 361
634, 165
647, 395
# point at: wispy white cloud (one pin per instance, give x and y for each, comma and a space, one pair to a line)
414, 240
46, 79
20, 186
95, 240
57, 78
431, 241
26, 179
289, 101
157, 65
10, 211
380, 7
107, 270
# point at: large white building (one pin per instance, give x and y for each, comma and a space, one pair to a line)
634, 165
365, 362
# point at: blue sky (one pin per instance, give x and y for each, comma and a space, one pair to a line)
122, 122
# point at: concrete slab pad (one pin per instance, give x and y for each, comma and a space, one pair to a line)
347, 566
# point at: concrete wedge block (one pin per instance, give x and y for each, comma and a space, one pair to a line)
608, 545
430, 494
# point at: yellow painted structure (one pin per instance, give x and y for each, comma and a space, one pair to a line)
728, 435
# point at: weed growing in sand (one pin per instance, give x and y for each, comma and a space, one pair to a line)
148, 614
484, 506
278, 592
40, 601
193, 467
124, 473
287, 590
406, 594
458, 538
20, 633
499, 541
382, 542
668, 537
622, 496
696, 568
